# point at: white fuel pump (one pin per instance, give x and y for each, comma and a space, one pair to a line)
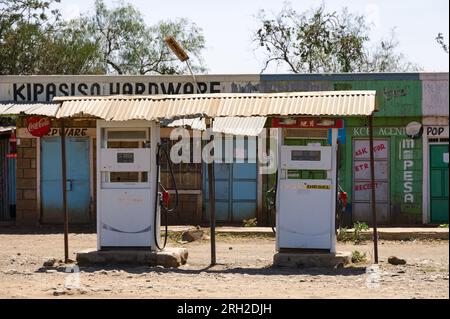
306, 189
127, 181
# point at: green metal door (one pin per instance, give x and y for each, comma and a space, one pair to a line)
439, 183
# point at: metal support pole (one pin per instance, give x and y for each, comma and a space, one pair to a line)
212, 202
338, 215
373, 198
193, 77
64, 188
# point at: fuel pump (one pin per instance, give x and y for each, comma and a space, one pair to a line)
129, 201
306, 184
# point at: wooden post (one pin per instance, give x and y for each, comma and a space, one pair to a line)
373, 198
64, 188
212, 201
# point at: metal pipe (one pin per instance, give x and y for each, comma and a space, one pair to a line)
336, 193
373, 197
64, 188
193, 77
212, 201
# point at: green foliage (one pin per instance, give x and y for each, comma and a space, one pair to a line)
356, 236
358, 257
319, 41
252, 222
358, 229
35, 40
343, 234
443, 226
129, 46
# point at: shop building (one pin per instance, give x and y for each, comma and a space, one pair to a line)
402, 166
411, 172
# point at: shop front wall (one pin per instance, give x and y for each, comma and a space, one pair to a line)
399, 103
395, 152
435, 147
35, 170
399, 99
435, 171
31, 204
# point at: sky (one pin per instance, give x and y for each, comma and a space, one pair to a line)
228, 26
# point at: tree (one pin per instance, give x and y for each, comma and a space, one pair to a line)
384, 58
441, 42
321, 41
129, 46
34, 12
34, 40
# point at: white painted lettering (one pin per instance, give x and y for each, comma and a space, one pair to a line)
409, 198
407, 164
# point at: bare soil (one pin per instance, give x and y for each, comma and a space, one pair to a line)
244, 271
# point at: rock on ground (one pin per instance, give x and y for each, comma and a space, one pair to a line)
396, 261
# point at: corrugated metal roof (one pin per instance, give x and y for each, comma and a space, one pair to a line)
248, 126
47, 109
195, 123
157, 107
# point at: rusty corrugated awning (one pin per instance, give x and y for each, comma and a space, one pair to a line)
157, 107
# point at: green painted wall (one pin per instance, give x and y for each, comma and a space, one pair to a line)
394, 98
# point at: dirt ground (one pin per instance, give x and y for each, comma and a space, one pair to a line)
244, 271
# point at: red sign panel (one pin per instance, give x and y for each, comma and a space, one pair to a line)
38, 126
307, 122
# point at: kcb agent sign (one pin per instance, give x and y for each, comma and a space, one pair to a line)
40, 91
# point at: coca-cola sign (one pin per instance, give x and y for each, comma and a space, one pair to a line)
38, 125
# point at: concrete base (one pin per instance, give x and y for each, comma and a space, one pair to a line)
169, 257
316, 259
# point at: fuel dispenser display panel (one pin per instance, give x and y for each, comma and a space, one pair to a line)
306, 157
125, 157
301, 155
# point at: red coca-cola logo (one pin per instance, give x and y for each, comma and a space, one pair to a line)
38, 126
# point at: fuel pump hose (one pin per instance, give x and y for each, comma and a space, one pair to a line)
166, 210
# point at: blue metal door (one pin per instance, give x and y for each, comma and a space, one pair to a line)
222, 173
78, 191
236, 188
243, 187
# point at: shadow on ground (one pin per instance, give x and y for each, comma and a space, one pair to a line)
353, 270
